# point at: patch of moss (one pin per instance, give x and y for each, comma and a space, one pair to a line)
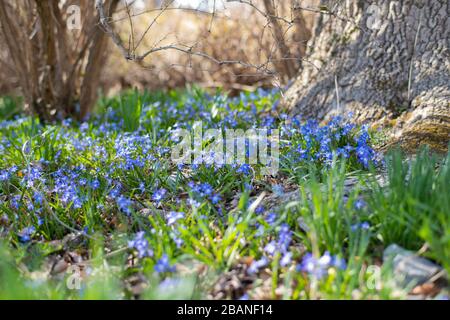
435, 135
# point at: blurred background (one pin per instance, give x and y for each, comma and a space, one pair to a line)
225, 30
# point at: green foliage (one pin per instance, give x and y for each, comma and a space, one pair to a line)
413, 205
10, 107
147, 228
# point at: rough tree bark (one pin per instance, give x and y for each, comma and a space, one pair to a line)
386, 61
97, 54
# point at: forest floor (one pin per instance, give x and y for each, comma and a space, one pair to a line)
99, 210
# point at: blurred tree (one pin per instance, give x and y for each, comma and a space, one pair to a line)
57, 49
287, 64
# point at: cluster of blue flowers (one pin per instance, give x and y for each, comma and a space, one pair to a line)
201, 191
125, 205
26, 233
173, 217
96, 166
281, 245
319, 267
140, 244
163, 265
278, 247
159, 195
311, 142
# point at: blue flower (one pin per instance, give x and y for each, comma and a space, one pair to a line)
163, 265
318, 267
244, 169
159, 195
115, 192
360, 226
125, 205
26, 233
244, 297
169, 284
205, 189
281, 245
270, 248
141, 245
284, 238
339, 263
325, 260
257, 264
142, 187
173, 217
286, 259
194, 203
178, 241
310, 265
4, 175
38, 198
95, 184
365, 225
360, 204
271, 218
259, 210
215, 198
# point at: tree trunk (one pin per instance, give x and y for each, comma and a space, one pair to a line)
97, 54
387, 62
287, 65
302, 32
55, 66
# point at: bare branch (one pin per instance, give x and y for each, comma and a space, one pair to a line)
109, 30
